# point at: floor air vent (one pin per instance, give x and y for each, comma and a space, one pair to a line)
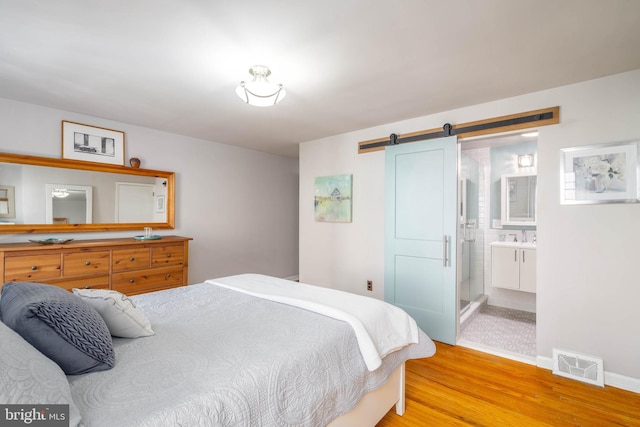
579, 367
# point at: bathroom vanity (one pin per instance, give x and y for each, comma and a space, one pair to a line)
513, 266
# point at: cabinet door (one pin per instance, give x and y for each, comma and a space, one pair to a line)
528, 270
505, 269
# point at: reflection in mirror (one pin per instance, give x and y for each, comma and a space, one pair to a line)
519, 199
104, 209
68, 204
135, 202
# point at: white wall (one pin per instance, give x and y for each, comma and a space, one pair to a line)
588, 282
239, 205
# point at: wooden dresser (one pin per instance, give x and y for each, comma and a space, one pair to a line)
126, 265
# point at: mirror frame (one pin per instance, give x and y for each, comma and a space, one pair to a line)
92, 167
504, 202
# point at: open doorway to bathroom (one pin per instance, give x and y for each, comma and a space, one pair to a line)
496, 251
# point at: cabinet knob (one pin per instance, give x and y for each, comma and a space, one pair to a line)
168, 275
168, 255
88, 287
132, 280
132, 259
87, 263
34, 267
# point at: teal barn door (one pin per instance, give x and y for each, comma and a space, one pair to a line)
420, 233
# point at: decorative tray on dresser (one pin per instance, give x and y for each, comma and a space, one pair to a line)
125, 264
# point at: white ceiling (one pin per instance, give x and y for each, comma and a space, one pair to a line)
346, 64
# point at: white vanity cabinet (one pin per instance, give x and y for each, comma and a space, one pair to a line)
513, 266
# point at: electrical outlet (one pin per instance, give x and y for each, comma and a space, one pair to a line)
369, 285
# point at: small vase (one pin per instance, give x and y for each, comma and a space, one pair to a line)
134, 162
600, 183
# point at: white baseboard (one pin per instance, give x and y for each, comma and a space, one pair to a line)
610, 378
544, 362
622, 381
497, 352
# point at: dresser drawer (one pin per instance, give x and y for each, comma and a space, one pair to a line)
130, 259
83, 263
93, 282
167, 255
31, 268
135, 282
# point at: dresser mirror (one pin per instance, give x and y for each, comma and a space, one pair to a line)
61, 195
519, 199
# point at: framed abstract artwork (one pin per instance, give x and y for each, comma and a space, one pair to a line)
333, 202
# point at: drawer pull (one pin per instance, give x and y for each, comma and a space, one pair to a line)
87, 263
132, 259
168, 275
132, 280
34, 267
168, 255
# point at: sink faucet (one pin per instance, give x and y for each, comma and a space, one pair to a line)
535, 239
524, 236
515, 237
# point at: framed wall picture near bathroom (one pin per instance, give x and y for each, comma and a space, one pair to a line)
604, 173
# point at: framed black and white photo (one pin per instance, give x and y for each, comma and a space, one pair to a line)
92, 143
604, 173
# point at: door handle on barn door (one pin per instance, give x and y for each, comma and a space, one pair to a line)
445, 250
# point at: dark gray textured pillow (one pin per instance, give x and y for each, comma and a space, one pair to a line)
59, 324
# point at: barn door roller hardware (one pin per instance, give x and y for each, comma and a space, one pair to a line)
484, 127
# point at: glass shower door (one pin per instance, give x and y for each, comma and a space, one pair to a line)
471, 237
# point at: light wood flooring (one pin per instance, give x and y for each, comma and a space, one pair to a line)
463, 387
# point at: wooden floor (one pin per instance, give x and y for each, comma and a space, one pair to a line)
463, 387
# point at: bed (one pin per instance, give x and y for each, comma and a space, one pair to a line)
249, 350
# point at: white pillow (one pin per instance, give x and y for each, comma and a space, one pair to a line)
28, 377
120, 314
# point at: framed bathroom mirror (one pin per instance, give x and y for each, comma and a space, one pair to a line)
94, 189
518, 199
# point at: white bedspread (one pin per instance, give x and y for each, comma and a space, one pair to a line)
226, 358
380, 328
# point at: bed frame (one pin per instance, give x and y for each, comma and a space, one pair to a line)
375, 404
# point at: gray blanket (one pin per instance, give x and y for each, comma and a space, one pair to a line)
220, 357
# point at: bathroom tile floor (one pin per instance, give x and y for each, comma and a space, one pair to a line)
502, 328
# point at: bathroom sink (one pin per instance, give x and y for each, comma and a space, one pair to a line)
529, 245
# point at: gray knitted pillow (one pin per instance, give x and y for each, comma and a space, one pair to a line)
62, 326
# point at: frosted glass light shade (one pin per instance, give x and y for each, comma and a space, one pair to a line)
259, 91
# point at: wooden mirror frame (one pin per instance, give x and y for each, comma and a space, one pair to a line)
93, 167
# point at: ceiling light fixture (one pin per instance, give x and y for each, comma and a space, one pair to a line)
259, 91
